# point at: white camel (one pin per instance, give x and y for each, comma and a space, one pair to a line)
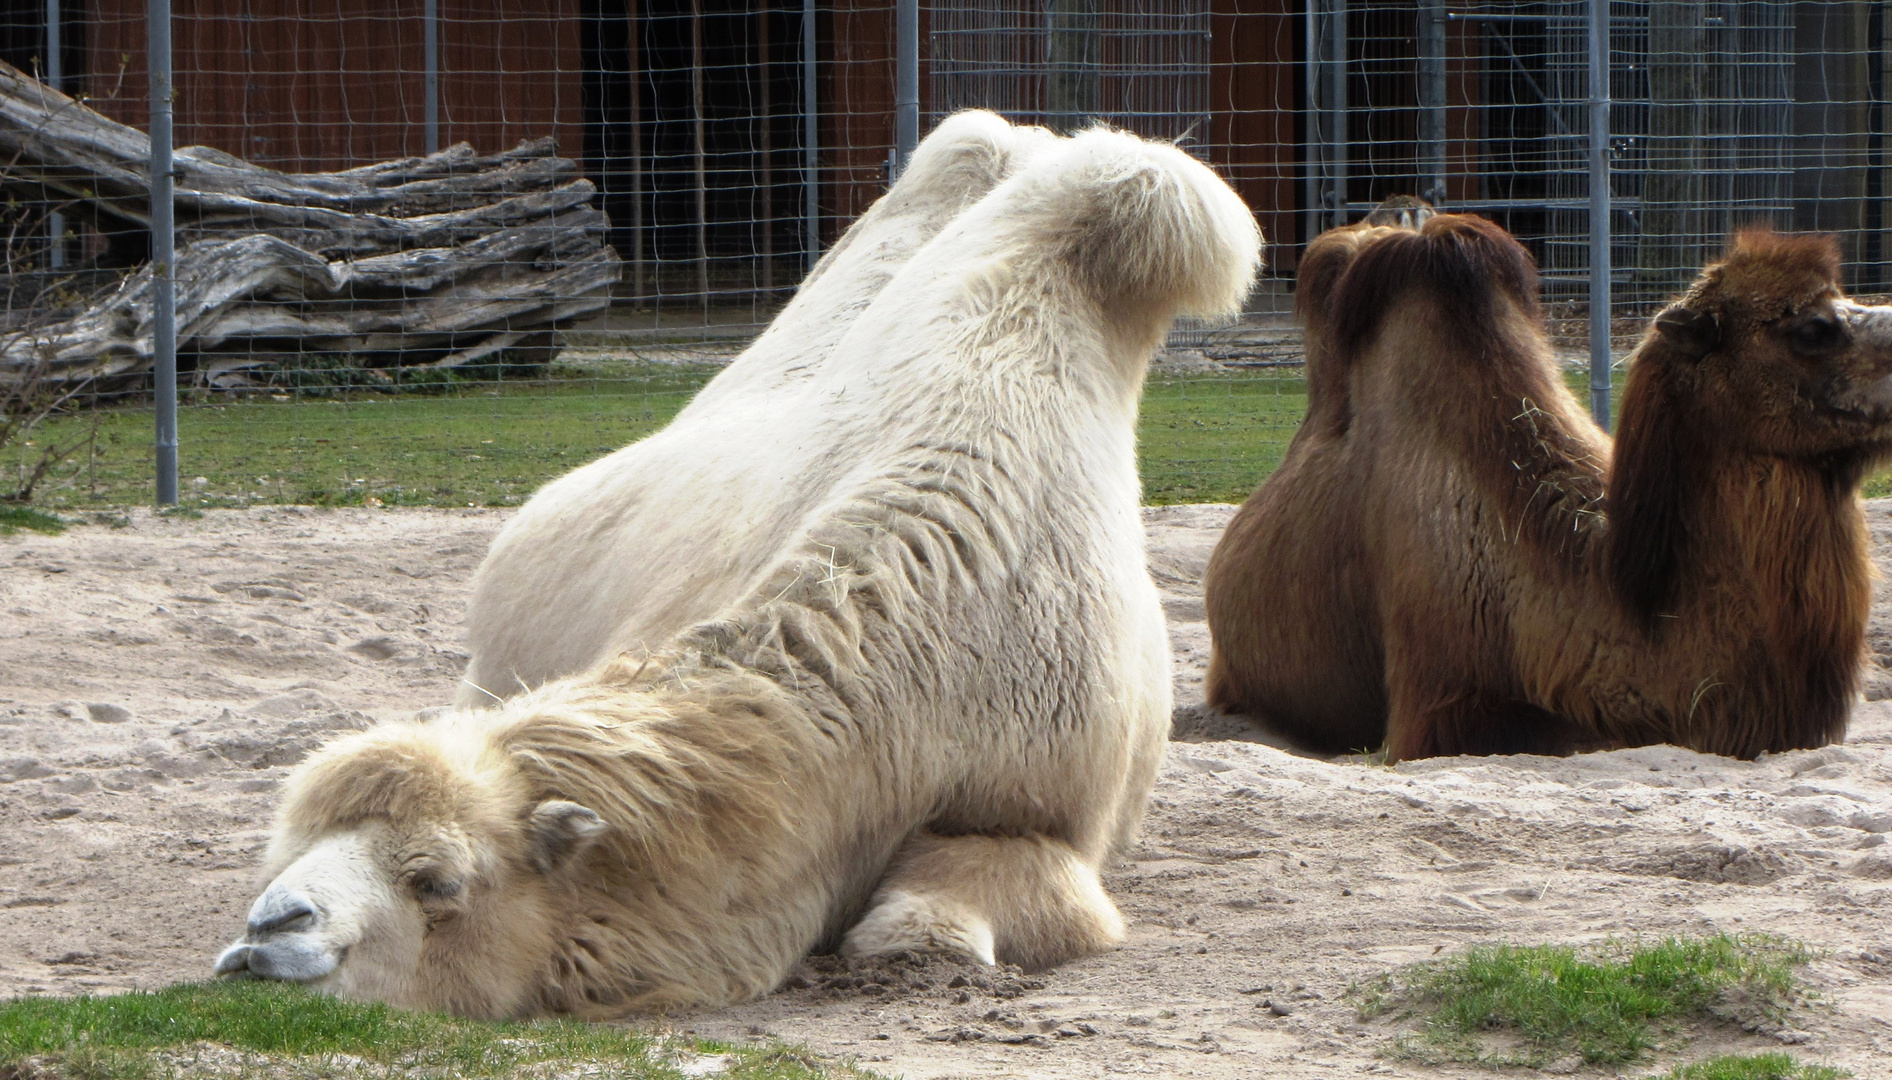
629, 550
927, 723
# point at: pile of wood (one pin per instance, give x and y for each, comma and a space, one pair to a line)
438, 260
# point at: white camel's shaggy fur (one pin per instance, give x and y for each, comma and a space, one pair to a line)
926, 725
627, 551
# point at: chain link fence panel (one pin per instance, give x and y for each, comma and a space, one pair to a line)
438, 252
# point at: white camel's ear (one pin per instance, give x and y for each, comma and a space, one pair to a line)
558, 831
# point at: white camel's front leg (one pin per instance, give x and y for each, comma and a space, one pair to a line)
1025, 900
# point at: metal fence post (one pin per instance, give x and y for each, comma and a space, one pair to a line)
1600, 212
1337, 98
1326, 115
1073, 59
906, 83
55, 72
699, 159
1432, 129
1313, 157
811, 140
163, 250
430, 81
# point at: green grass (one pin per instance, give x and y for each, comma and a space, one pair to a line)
1607, 1005
1202, 438
1205, 438
1774, 1066
1214, 438
15, 518
297, 1033
465, 443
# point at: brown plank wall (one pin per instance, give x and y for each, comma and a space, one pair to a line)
303, 85
856, 106
1253, 140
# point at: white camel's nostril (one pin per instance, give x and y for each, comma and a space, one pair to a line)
234, 961
280, 911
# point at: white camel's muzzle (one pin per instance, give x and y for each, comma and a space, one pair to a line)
284, 940
317, 909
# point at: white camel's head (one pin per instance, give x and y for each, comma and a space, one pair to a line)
410, 865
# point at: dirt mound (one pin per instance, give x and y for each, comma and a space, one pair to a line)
908, 974
1717, 863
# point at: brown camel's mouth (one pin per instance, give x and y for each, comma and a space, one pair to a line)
1870, 405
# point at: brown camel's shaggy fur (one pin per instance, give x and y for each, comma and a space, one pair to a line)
1448, 560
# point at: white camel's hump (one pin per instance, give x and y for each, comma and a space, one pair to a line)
628, 550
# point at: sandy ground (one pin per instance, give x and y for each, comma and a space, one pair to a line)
158, 679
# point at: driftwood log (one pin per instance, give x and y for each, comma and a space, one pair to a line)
438, 260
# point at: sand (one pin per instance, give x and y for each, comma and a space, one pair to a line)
159, 677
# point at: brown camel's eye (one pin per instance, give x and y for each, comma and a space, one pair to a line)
1816, 336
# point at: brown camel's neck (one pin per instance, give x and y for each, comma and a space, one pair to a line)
1787, 532
1765, 584
1687, 506
1746, 571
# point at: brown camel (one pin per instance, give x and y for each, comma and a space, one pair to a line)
1449, 561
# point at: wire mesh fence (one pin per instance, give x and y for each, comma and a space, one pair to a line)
437, 251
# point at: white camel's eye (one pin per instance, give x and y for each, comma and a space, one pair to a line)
430, 885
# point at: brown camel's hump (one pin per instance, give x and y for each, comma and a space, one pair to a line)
1453, 304
1466, 263
1324, 264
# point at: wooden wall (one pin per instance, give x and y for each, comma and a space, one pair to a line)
302, 85
1254, 138
856, 106
315, 86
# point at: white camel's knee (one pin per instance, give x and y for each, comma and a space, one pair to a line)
1036, 900
901, 921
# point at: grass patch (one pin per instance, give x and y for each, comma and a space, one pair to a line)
1608, 1005
1202, 438
15, 518
1774, 1066
1214, 438
482, 444
273, 1031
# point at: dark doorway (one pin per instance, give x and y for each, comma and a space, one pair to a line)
23, 38
693, 122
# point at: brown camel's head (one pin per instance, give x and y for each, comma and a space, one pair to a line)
1405, 211
1765, 353
411, 865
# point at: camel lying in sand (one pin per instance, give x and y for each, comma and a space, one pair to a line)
1450, 561
629, 550
926, 725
